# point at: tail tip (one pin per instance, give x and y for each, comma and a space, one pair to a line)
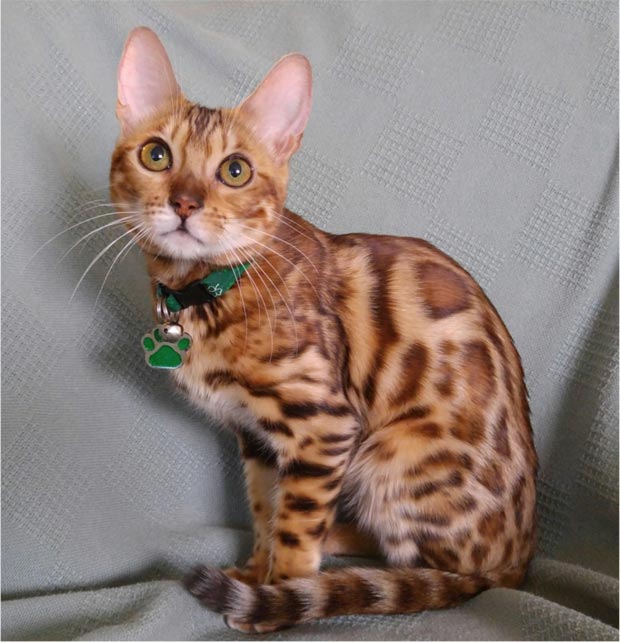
209, 585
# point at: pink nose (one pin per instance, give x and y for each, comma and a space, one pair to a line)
185, 205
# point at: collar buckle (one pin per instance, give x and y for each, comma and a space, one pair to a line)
195, 293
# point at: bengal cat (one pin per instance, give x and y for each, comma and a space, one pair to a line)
365, 376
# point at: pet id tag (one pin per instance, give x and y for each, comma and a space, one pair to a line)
167, 344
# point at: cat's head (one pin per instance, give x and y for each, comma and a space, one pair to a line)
199, 183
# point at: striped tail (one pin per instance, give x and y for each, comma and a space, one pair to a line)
339, 591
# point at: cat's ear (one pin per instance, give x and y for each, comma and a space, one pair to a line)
278, 109
146, 81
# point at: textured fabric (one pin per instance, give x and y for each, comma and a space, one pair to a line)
489, 129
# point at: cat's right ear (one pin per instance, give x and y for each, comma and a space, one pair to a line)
146, 81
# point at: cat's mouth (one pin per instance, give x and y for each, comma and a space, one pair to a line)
182, 232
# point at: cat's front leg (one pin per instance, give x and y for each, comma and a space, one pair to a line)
260, 477
309, 483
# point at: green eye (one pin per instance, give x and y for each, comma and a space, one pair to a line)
155, 156
235, 171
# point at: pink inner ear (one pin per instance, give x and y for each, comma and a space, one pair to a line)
280, 106
146, 80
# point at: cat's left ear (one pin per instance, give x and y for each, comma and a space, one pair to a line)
278, 109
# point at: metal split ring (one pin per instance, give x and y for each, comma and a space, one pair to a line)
164, 314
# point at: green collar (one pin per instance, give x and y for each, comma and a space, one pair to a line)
203, 291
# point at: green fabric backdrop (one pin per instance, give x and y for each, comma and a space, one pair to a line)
489, 129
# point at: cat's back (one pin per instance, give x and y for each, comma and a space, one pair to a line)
409, 290
421, 333
412, 270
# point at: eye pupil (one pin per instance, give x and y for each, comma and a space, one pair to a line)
157, 153
235, 169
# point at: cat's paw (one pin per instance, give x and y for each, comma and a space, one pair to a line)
244, 627
245, 575
252, 573
165, 351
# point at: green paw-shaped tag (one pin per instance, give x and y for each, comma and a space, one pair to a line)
165, 349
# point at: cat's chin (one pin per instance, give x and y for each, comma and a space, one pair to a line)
182, 245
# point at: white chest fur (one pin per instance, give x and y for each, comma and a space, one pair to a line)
222, 402
204, 375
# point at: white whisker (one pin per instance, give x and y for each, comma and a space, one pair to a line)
68, 229
121, 221
275, 321
133, 241
92, 263
294, 265
292, 316
248, 227
245, 314
283, 219
256, 292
